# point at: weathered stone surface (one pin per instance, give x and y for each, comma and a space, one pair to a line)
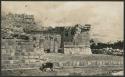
20, 53
25, 57
32, 60
5, 62
27, 61
78, 50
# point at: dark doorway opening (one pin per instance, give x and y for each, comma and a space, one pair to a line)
47, 50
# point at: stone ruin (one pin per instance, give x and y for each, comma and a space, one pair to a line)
71, 40
18, 52
79, 40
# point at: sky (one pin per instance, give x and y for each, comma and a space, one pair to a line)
106, 18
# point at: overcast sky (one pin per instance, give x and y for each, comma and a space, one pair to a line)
106, 18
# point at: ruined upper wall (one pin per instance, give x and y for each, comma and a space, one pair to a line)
77, 35
12, 24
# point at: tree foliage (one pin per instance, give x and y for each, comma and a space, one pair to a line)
115, 45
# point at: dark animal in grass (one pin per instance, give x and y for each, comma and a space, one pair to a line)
46, 65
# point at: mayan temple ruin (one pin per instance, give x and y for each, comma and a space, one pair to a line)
62, 38
19, 41
23, 46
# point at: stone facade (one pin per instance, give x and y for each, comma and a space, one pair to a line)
20, 52
49, 42
79, 44
77, 50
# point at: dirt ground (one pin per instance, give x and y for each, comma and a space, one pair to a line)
64, 72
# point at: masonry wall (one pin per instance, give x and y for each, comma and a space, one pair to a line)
19, 54
89, 63
52, 42
80, 43
77, 50
16, 53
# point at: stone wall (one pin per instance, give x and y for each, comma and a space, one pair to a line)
81, 63
18, 53
90, 63
80, 43
82, 38
52, 42
77, 50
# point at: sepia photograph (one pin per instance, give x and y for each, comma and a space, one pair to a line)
62, 38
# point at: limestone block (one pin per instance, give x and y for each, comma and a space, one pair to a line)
107, 62
88, 63
41, 62
5, 66
32, 65
42, 57
31, 57
85, 63
97, 62
22, 61
11, 61
16, 62
10, 58
116, 62
25, 57
22, 53
60, 64
77, 63
28, 53
12, 54
27, 61
13, 66
5, 61
120, 63
38, 64
4, 57
18, 57
17, 54
111, 62
24, 50
3, 51
39, 52
93, 62
63, 64
74, 63
80, 63
69, 63
19, 65
37, 57
100, 63
32, 60
67, 50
